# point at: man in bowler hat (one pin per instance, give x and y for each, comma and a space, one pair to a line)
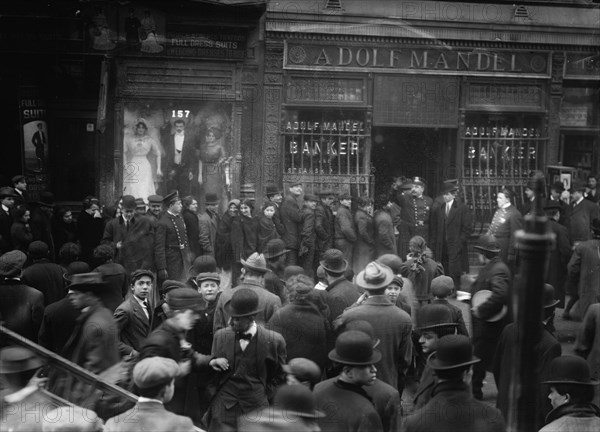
452, 407
341, 293
254, 363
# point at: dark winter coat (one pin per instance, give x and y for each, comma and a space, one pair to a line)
21, 308
291, 218
243, 237
385, 237
364, 247
46, 277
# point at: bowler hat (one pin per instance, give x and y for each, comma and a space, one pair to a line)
365, 327
170, 284
154, 371
46, 199
549, 300
303, 369
482, 296
15, 359
37, 249
570, 370
275, 248
203, 264
433, 316
155, 199
333, 261
211, 199
449, 187
87, 282
7, 191
551, 205
374, 276
12, 263
311, 197
392, 261
487, 243
272, 190
296, 400
244, 302
453, 351
354, 348
208, 276
185, 298
442, 286
76, 267
256, 262
171, 198
18, 178
558, 186
419, 181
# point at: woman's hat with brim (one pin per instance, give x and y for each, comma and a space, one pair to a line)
354, 348
375, 276
453, 351
333, 261
487, 243
243, 303
570, 370
87, 282
16, 359
256, 262
296, 400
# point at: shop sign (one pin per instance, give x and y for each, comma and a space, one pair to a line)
416, 60
574, 116
207, 43
35, 140
583, 66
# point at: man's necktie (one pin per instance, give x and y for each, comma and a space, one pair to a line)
447, 210
243, 336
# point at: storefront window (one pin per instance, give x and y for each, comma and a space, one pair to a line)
326, 146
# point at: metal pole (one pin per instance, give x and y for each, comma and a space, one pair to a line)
533, 244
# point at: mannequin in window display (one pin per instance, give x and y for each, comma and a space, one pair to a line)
138, 178
214, 163
148, 34
100, 32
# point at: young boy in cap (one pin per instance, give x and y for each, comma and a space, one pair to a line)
344, 401
302, 371
452, 407
253, 363
441, 288
154, 379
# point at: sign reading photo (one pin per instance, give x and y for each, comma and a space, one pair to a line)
184, 146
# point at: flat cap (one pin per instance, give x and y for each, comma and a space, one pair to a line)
155, 199
154, 371
37, 249
185, 298
12, 262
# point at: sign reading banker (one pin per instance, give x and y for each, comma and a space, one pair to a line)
417, 60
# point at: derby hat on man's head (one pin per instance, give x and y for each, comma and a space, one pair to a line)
296, 400
171, 198
558, 187
487, 243
442, 286
211, 199
433, 316
185, 298
11, 263
365, 327
15, 359
375, 276
243, 303
256, 262
275, 248
292, 270
7, 191
76, 267
333, 261
453, 351
46, 199
449, 187
570, 370
549, 300
272, 189
87, 282
354, 348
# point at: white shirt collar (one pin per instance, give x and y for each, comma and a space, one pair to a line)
6, 209
251, 330
579, 200
143, 399
505, 206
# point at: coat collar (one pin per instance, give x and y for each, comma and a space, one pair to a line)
451, 386
573, 410
378, 300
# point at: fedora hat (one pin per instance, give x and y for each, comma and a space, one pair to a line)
487, 243
272, 189
211, 199
570, 370
433, 316
481, 297
243, 303
453, 351
15, 359
275, 248
375, 276
449, 187
46, 199
296, 400
256, 262
333, 261
354, 348
549, 300
7, 191
87, 282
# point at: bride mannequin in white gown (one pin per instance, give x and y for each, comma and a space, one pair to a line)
138, 179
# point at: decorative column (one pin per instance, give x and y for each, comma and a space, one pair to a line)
556, 92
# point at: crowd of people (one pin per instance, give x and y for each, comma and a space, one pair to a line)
307, 314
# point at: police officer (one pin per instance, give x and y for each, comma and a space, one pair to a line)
415, 214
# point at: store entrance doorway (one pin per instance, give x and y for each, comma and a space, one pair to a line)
425, 152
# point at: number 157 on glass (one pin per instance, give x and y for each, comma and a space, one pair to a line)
180, 113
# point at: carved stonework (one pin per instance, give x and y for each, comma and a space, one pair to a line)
271, 78
274, 62
558, 62
249, 77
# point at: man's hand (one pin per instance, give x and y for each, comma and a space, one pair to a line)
219, 364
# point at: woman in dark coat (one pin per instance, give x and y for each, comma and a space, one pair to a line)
365, 233
266, 226
64, 229
90, 226
192, 224
243, 237
20, 231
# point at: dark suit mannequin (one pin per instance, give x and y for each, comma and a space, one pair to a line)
178, 174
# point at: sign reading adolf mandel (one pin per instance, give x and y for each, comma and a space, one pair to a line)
416, 60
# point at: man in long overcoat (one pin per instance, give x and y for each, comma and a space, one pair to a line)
345, 233
324, 222
581, 214
450, 231
560, 255
506, 222
171, 249
291, 219
385, 236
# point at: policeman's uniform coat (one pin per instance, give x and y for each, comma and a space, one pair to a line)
172, 252
415, 216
